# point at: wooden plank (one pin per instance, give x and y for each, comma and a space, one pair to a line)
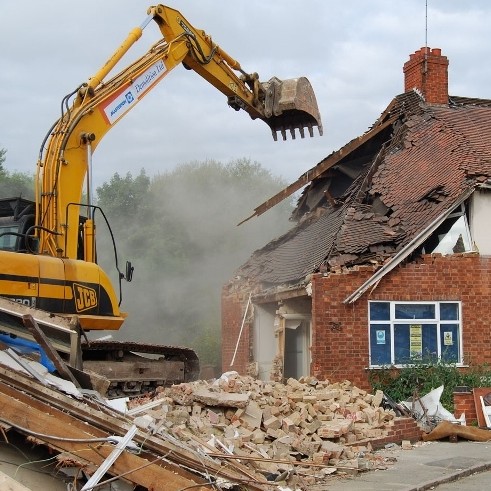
23, 411
53, 355
9, 484
477, 392
103, 420
60, 330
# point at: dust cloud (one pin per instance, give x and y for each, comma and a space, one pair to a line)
185, 244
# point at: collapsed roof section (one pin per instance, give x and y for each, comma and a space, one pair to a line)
369, 200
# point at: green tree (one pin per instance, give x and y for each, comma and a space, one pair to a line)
123, 196
2, 161
13, 184
183, 238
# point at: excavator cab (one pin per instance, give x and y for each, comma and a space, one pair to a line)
16, 225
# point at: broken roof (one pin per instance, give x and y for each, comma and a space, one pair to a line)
368, 200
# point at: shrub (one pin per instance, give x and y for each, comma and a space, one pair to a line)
422, 376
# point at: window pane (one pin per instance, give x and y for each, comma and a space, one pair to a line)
414, 311
7, 242
430, 343
415, 342
449, 340
456, 240
379, 311
401, 344
380, 344
449, 311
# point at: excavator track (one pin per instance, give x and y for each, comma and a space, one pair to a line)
124, 369
133, 369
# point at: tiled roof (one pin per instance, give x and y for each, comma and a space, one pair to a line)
297, 253
429, 158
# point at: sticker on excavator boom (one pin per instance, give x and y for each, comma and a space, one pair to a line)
85, 298
129, 95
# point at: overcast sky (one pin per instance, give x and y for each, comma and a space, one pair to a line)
352, 52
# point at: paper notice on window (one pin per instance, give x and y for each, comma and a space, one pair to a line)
380, 337
416, 341
448, 338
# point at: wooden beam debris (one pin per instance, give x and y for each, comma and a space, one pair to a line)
44, 342
66, 433
9, 484
236, 430
65, 425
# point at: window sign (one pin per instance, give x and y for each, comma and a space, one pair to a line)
380, 337
380, 342
416, 341
447, 338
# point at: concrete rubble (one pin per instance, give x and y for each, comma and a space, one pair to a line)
231, 432
297, 432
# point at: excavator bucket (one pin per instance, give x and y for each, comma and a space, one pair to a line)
289, 105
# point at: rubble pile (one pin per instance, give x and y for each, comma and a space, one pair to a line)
274, 428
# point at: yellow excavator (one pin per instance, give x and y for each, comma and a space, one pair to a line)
48, 260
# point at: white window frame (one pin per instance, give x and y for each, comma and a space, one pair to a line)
392, 322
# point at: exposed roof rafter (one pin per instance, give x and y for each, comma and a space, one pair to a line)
320, 168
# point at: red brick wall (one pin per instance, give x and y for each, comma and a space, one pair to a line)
403, 429
463, 402
340, 332
233, 307
431, 78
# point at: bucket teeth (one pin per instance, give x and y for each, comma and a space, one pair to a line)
301, 129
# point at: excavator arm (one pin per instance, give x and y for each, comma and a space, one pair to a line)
49, 271
65, 162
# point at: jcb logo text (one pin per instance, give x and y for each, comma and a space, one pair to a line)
85, 298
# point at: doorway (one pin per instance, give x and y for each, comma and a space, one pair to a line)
296, 362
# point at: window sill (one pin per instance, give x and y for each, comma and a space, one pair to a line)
398, 367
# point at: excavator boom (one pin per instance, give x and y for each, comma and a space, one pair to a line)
284, 105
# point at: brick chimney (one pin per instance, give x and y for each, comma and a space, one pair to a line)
427, 71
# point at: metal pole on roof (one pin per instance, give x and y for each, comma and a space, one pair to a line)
426, 24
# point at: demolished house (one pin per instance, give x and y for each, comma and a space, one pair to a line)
389, 259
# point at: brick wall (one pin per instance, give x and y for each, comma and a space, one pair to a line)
340, 332
463, 402
233, 306
403, 429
